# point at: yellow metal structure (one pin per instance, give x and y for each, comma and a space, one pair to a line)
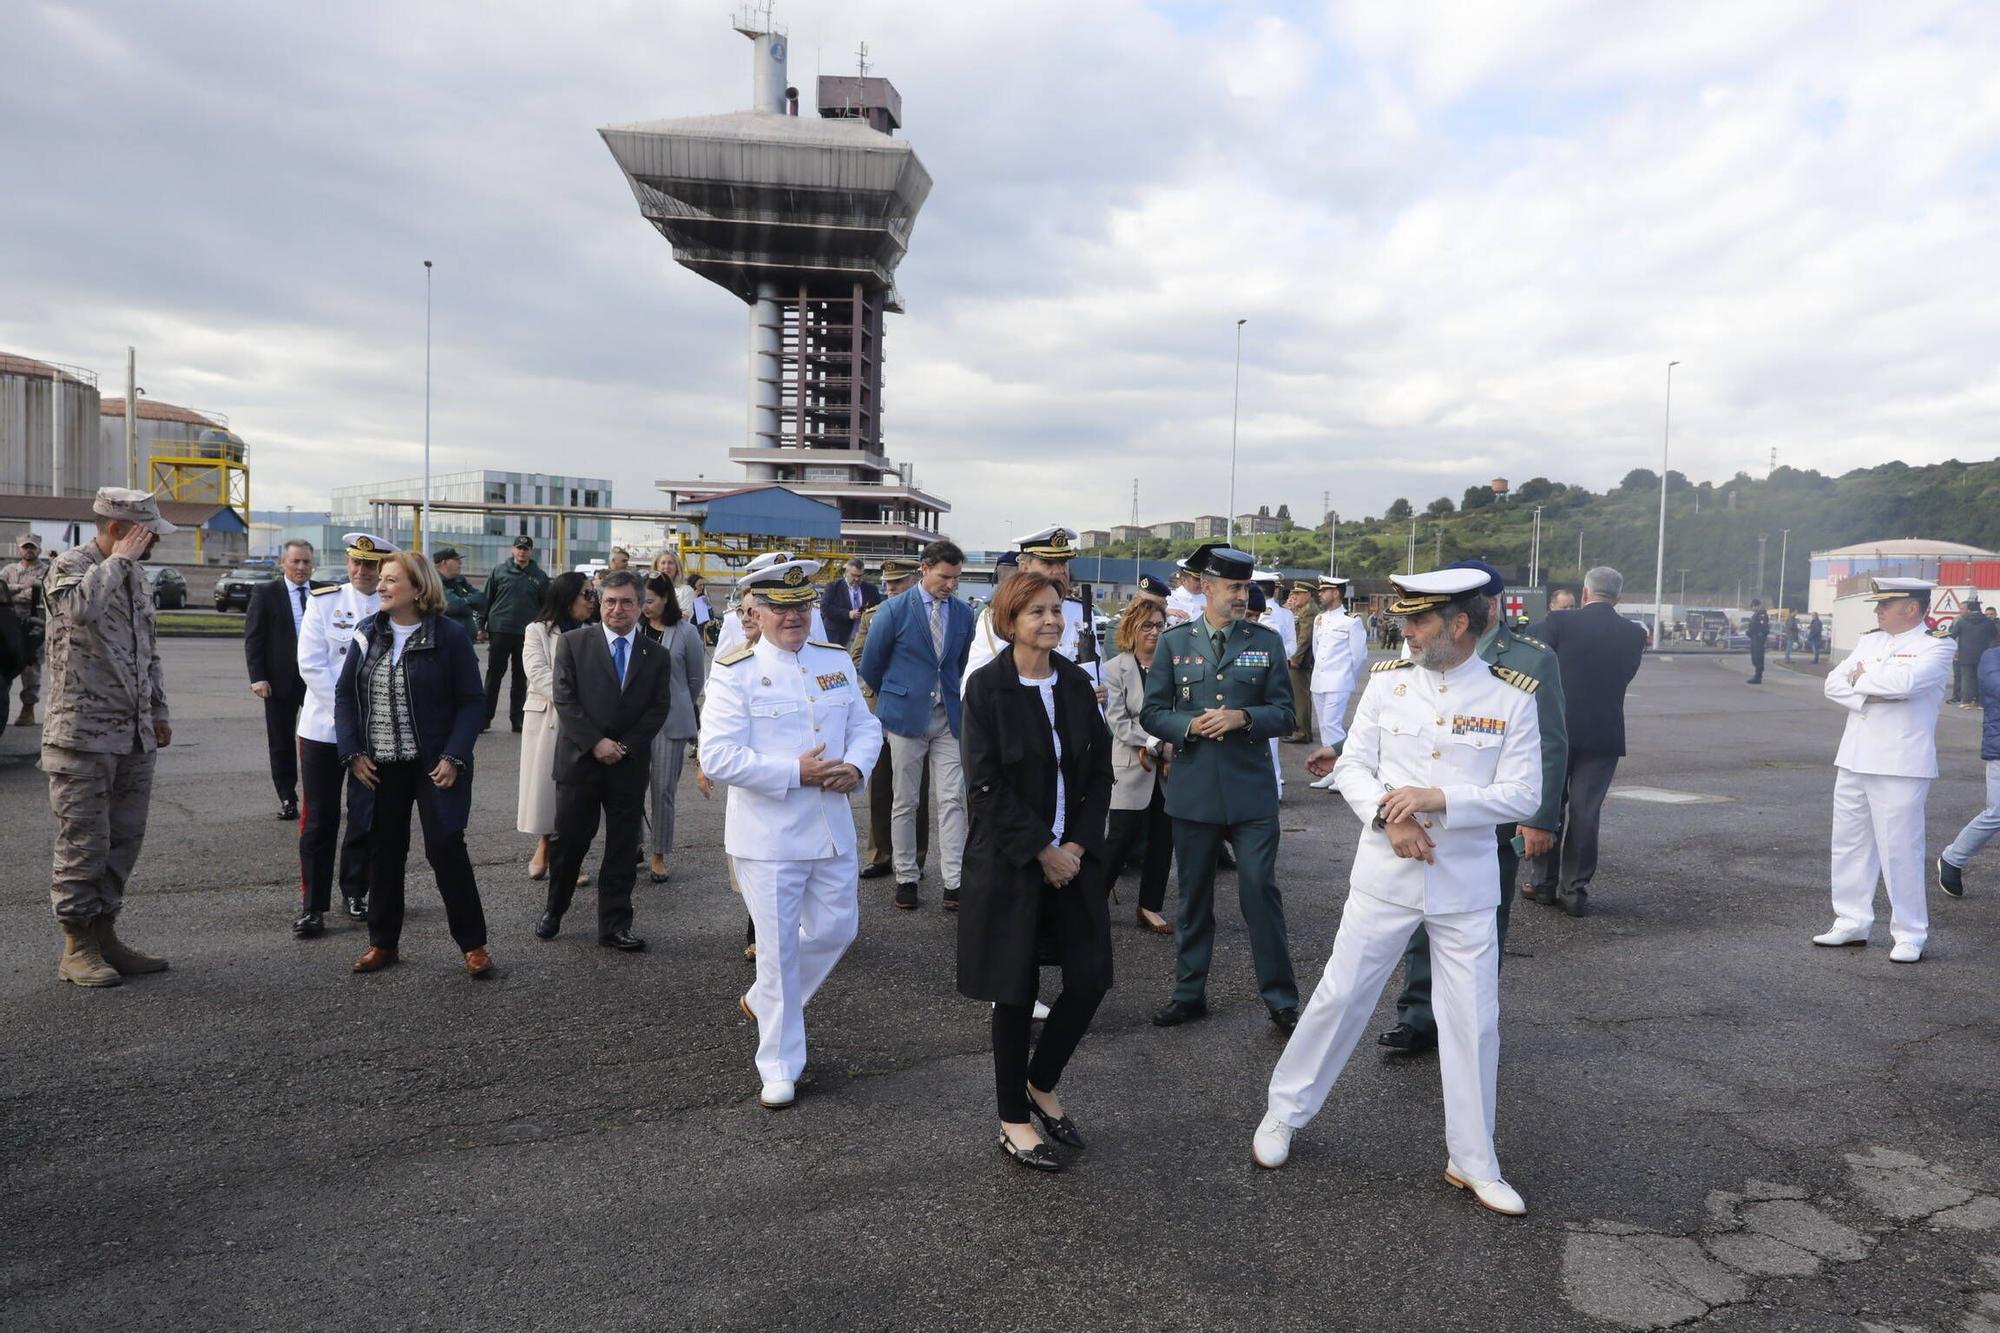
210, 469
713, 554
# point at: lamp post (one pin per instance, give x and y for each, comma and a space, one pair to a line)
423, 538
1784, 545
1761, 539
1332, 542
1235, 402
1535, 552
1660, 552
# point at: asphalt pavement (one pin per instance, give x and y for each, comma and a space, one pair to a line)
1715, 1124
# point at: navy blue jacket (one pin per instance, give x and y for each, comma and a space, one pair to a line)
447, 701
899, 664
1599, 651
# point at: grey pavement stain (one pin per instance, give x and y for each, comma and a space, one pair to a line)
1644, 1279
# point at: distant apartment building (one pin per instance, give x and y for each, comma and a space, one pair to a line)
1260, 523
1092, 537
1179, 530
1129, 532
1210, 527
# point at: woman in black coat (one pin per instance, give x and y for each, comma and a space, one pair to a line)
1038, 783
407, 712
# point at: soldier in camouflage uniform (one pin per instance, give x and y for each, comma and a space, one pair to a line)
107, 716
23, 582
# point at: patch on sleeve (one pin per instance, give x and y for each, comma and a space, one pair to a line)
1520, 680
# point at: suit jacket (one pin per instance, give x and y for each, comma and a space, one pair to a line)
1124, 699
590, 706
270, 643
903, 669
1599, 651
1534, 659
1230, 780
447, 701
834, 604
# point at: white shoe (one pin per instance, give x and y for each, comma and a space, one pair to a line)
778, 1093
1906, 953
1041, 1012
1324, 784
1272, 1145
1842, 935
1495, 1194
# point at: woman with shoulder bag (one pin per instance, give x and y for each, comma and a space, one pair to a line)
1138, 768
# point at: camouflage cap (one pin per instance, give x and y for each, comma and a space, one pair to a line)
29, 541
130, 506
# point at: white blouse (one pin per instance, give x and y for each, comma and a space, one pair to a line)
1047, 686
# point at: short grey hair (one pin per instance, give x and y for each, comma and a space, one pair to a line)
296, 541
1605, 582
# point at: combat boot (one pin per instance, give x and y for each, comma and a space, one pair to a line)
82, 961
129, 961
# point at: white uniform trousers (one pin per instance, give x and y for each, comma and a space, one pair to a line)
806, 914
1465, 964
1878, 832
907, 757
1330, 715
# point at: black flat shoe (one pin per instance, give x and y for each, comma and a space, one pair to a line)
547, 926
1950, 878
1178, 1012
310, 926
1058, 1127
288, 810
622, 940
1406, 1040
1039, 1158
950, 900
906, 897
1224, 858
358, 908
659, 876
1576, 903
1287, 1019
876, 871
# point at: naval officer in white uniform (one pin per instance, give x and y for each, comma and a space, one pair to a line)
1340, 660
731, 634
325, 632
1186, 601
1445, 748
784, 726
1892, 686
1049, 552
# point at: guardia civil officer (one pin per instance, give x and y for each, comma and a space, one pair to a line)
1045, 551
1339, 661
1531, 664
1892, 686
1217, 692
1444, 749
332, 619
784, 727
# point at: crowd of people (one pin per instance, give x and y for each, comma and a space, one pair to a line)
1477, 755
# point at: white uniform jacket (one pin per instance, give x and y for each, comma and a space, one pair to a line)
1467, 731
1892, 702
325, 631
1282, 619
1185, 605
986, 645
731, 633
1340, 652
764, 708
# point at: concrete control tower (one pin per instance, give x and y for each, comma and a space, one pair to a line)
805, 220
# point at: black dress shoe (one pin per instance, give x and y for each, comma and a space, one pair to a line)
1950, 878
1177, 1012
309, 926
877, 870
622, 940
288, 809
1576, 902
1287, 1018
358, 908
1225, 858
1407, 1039
950, 900
1039, 1158
906, 897
1058, 1127
547, 926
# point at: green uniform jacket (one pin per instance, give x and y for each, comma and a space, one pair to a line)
514, 596
1230, 780
463, 604
1532, 657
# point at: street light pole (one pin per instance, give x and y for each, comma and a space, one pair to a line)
1761, 539
1660, 552
1535, 553
1235, 402
424, 537
1784, 545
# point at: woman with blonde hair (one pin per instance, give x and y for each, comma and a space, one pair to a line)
668, 562
407, 712
1138, 767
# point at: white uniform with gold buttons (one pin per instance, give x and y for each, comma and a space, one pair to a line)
792, 846
1340, 660
1474, 735
325, 632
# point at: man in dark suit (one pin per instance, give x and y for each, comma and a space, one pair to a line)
842, 604
271, 651
611, 698
1598, 651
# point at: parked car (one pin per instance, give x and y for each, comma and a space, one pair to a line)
232, 590
170, 590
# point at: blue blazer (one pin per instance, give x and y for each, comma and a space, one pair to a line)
447, 702
899, 664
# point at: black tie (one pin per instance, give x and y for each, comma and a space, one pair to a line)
302, 598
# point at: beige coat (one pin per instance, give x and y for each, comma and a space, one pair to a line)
1124, 697
536, 812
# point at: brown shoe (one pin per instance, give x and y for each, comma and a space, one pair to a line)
374, 959
1160, 927
478, 963
743, 1003
82, 961
129, 961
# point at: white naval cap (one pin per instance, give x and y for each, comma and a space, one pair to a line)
782, 583
1329, 581
769, 558
1886, 590
1423, 592
1269, 576
1055, 542
366, 546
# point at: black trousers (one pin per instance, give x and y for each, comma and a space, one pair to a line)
621, 796
399, 788
321, 778
281, 736
1757, 661
1965, 682
1069, 1017
1149, 832
503, 652
1570, 863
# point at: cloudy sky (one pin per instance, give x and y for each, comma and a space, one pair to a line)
1467, 236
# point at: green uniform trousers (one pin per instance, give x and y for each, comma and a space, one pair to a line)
1196, 845
1413, 1006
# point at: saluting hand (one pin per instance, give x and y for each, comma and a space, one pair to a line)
134, 543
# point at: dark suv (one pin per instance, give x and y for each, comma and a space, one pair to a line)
232, 590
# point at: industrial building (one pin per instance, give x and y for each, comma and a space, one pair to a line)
804, 220
1846, 569
191, 456
38, 399
483, 539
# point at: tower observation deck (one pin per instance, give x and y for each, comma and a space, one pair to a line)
805, 221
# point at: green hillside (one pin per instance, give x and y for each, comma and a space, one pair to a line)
1712, 529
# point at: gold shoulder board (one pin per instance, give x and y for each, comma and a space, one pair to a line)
822, 643
1520, 680
1392, 664
331, 587
742, 652
1942, 631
